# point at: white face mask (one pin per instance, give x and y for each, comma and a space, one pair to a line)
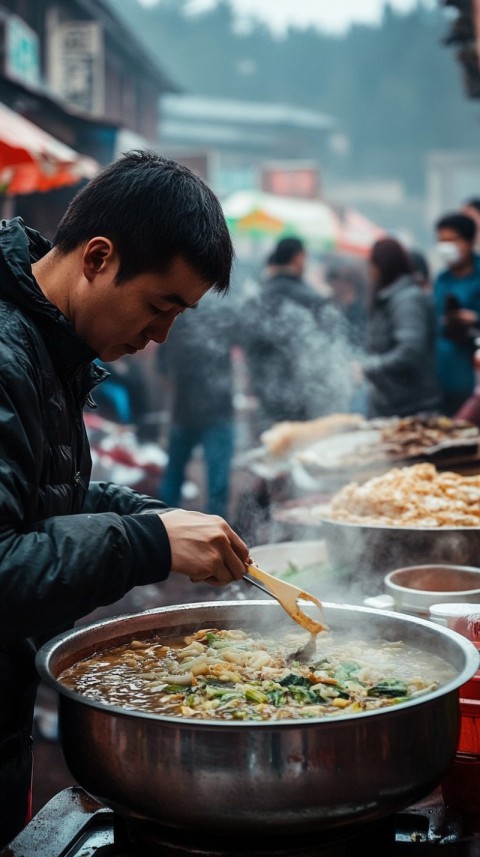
449, 252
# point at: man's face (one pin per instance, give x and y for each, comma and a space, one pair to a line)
117, 319
454, 250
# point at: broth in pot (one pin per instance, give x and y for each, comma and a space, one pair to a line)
218, 674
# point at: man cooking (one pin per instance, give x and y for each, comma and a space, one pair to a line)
141, 243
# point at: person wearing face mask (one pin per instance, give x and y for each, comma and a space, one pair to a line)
457, 303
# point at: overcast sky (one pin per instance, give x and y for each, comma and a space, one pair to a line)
331, 15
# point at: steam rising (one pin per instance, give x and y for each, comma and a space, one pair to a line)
298, 364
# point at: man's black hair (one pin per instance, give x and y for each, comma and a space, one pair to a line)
153, 209
473, 202
462, 224
286, 250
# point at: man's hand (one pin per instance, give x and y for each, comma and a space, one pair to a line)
466, 317
458, 323
204, 547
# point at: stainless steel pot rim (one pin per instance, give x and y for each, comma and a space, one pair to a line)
443, 565
321, 515
404, 590
48, 650
396, 529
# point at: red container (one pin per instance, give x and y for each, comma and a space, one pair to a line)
469, 741
461, 785
471, 689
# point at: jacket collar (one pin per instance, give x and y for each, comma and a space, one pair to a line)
385, 293
20, 246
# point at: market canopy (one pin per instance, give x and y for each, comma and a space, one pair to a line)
356, 233
31, 160
260, 216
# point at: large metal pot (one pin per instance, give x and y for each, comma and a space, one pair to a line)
284, 776
366, 553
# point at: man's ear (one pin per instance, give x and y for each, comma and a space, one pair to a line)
98, 255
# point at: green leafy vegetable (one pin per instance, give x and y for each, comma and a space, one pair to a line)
390, 687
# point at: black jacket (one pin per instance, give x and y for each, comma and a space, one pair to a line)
197, 361
295, 351
401, 363
66, 547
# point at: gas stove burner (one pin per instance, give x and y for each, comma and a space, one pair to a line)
151, 840
73, 824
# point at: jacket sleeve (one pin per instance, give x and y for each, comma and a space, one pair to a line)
410, 321
109, 497
54, 571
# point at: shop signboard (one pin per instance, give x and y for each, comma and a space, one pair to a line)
22, 51
299, 179
77, 67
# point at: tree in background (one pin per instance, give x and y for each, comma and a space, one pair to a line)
395, 89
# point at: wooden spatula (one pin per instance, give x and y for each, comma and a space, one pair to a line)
288, 596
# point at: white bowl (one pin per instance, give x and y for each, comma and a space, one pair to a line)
415, 588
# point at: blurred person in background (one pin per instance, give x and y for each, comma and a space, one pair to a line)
140, 244
471, 207
457, 303
421, 270
296, 358
349, 296
294, 342
124, 397
196, 368
400, 361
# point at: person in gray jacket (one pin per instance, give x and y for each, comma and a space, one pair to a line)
139, 244
400, 362
295, 343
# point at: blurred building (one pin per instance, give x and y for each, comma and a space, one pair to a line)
76, 71
247, 145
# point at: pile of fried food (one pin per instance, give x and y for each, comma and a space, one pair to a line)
219, 674
412, 437
407, 437
399, 438
416, 496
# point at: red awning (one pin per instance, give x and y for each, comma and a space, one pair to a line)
32, 160
356, 233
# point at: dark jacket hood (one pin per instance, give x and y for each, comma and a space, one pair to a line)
385, 293
20, 246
